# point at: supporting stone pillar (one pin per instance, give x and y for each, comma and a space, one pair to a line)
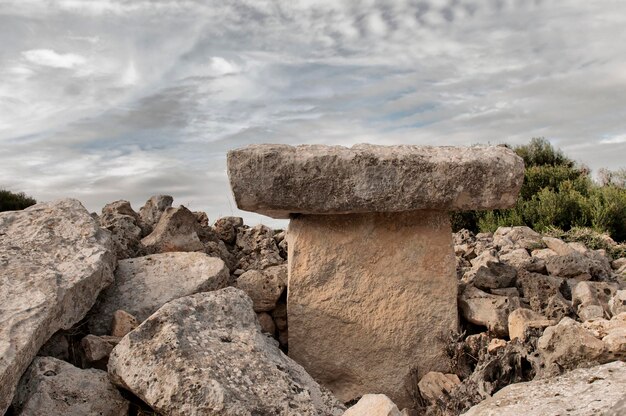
372, 284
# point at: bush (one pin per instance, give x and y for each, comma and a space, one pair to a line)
557, 193
10, 201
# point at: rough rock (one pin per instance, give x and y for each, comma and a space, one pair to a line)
573, 265
54, 260
538, 289
495, 345
560, 247
152, 210
264, 287
226, 228
520, 259
278, 180
435, 385
618, 263
205, 354
486, 309
494, 275
591, 299
371, 296
54, 387
524, 321
373, 405
177, 230
617, 304
582, 392
257, 248
558, 307
143, 284
122, 323
125, 226
569, 345
521, 236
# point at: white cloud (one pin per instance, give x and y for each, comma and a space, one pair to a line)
48, 57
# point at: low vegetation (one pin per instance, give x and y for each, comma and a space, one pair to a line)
10, 201
558, 195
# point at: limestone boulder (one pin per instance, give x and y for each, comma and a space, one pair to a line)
54, 387
264, 287
570, 345
152, 210
205, 354
371, 297
177, 230
125, 226
539, 289
54, 260
494, 275
486, 309
590, 391
144, 284
520, 259
278, 180
257, 248
373, 405
591, 299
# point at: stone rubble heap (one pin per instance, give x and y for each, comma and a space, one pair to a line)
161, 311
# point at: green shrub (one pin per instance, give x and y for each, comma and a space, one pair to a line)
10, 201
557, 193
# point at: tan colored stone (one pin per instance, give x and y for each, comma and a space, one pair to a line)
591, 299
154, 207
264, 286
617, 304
495, 345
486, 309
177, 230
373, 405
278, 180
435, 385
522, 320
371, 296
123, 323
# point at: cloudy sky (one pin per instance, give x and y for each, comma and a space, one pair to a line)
121, 99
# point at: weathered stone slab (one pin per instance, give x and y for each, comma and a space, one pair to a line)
278, 180
371, 296
205, 354
582, 392
144, 284
54, 260
54, 387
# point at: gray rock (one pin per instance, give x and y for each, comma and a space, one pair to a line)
591, 391
125, 226
278, 180
144, 284
54, 387
226, 228
257, 248
152, 210
520, 237
573, 265
591, 299
264, 287
96, 350
494, 275
54, 260
205, 354
538, 289
520, 259
177, 230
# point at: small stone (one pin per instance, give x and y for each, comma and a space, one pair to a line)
257, 248
520, 259
591, 299
373, 405
435, 385
152, 210
618, 263
560, 247
96, 350
617, 304
495, 345
122, 323
506, 291
521, 237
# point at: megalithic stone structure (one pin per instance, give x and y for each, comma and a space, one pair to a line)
372, 293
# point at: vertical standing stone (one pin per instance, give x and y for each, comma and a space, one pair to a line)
372, 284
